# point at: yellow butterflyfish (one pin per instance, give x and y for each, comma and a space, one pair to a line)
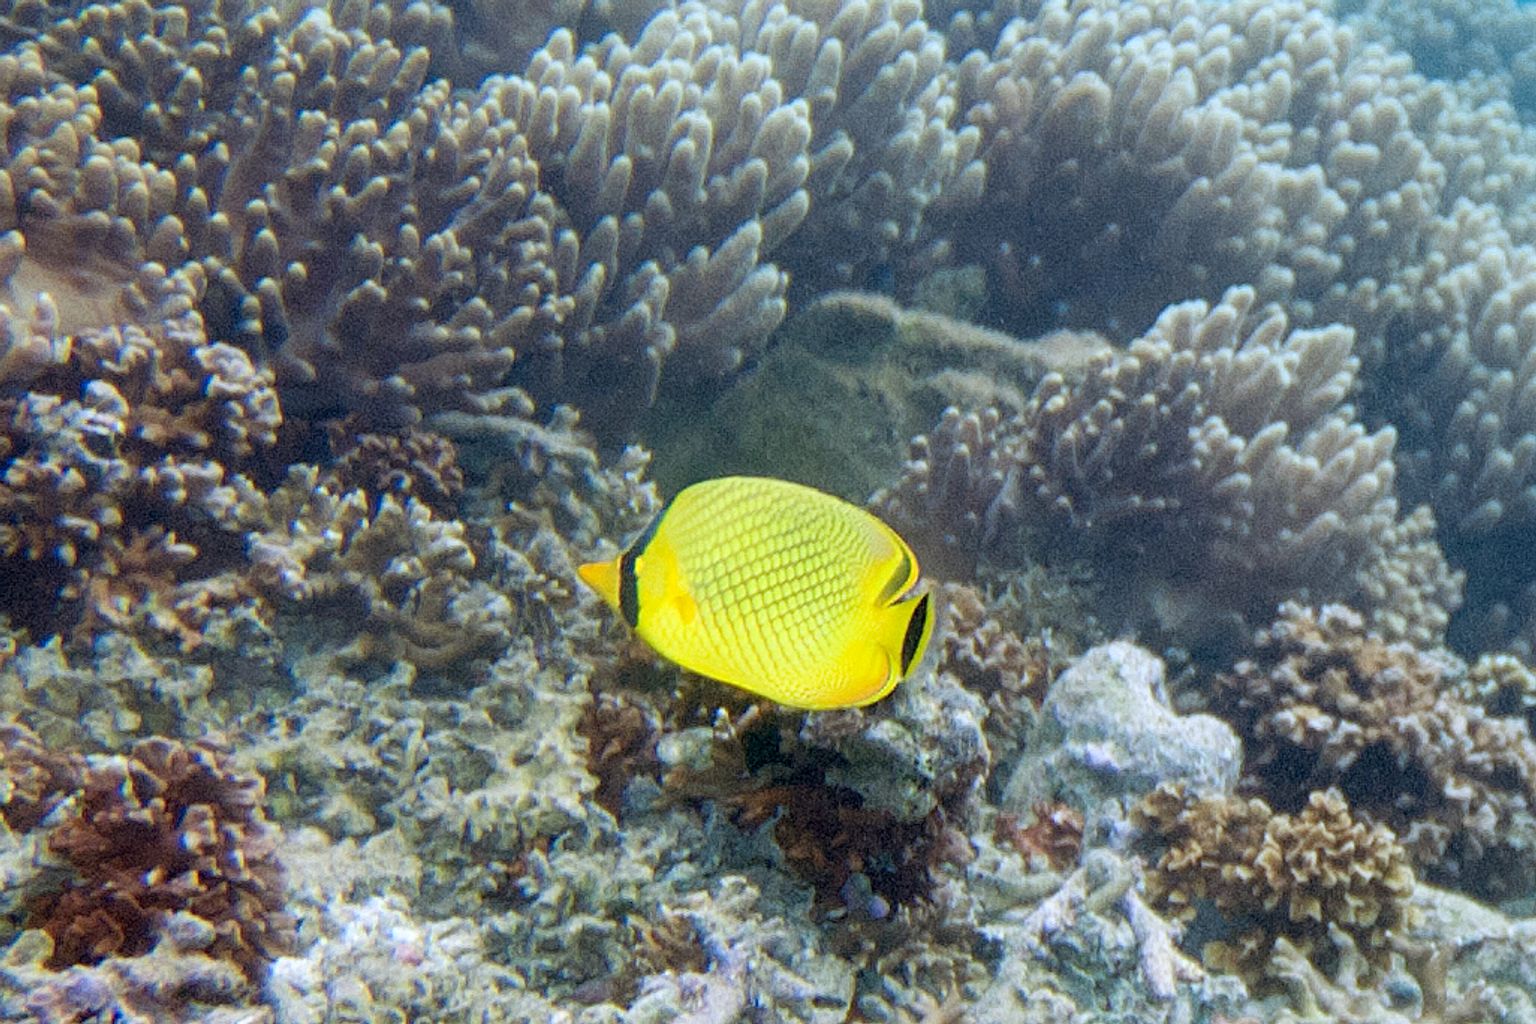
774, 587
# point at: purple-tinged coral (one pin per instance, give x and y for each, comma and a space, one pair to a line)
885, 142
1215, 457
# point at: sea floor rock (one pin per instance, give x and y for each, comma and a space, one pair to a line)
1107, 734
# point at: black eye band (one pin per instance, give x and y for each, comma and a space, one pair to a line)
629, 588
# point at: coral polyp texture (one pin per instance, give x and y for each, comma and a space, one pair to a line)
36, 778
135, 843
1216, 457
1291, 875
390, 247
1326, 703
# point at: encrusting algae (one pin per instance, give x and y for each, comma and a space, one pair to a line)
776, 588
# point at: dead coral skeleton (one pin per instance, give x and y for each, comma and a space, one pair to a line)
1106, 883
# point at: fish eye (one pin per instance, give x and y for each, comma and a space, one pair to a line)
917, 625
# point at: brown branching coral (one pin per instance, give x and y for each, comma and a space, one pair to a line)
271, 162
411, 463
167, 829
1502, 685
673, 167
858, 855
34, 779
828, 837
1325, 703
389, 248
885, 140
618, 213
117, 483
1291, 875
981, 645
1139, 154
125, 505
621, 744
988, 657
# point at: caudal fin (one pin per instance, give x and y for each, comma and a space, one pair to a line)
602, 577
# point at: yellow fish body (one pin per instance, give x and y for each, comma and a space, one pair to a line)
776, 588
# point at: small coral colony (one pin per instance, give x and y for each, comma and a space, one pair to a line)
466, 468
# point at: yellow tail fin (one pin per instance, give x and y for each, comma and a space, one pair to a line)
602, 577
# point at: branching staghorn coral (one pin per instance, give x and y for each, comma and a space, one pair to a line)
885, 144
126, 504
390, 248
1216, 457
339, 218
34, 778
1145, 153
1326, 703
117, 442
